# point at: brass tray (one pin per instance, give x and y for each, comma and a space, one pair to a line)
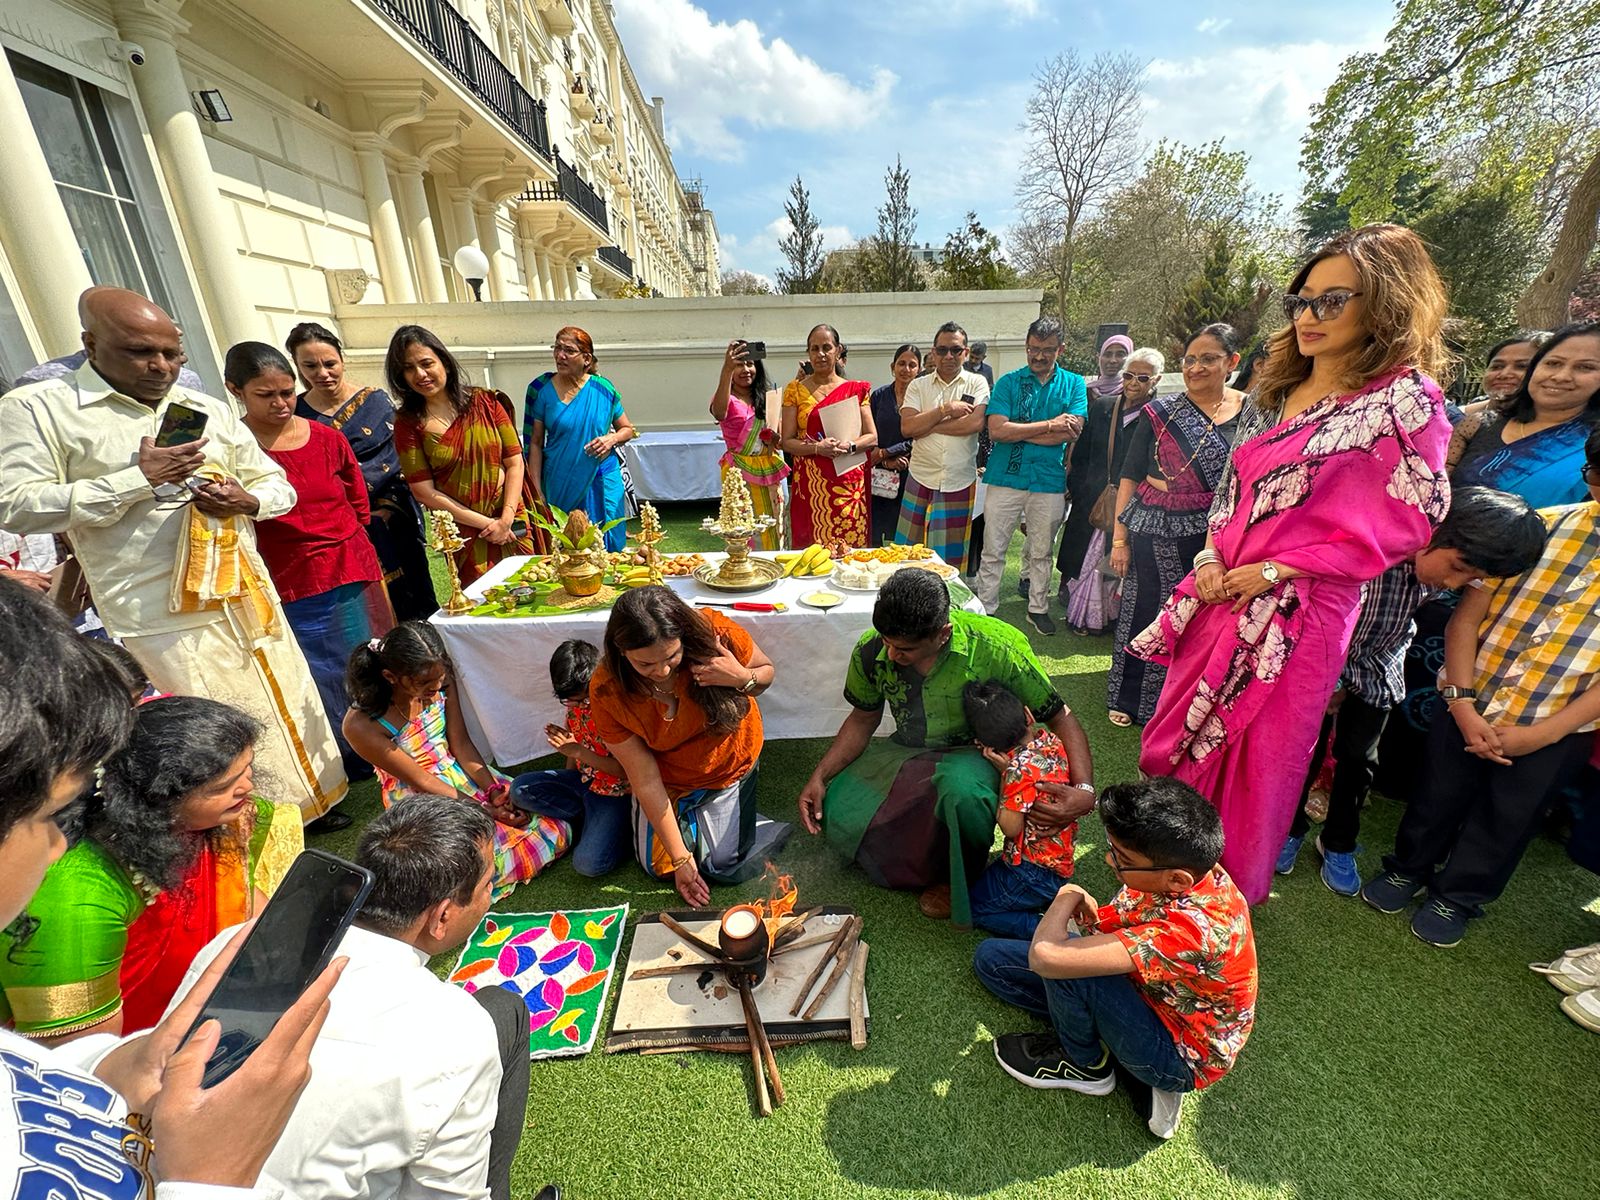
766, 571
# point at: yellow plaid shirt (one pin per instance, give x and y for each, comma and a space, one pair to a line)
1539, 644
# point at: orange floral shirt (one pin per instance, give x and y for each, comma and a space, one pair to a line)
1194, 960
580, 724
1042, 760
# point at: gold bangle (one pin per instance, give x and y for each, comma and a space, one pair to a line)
679, 863
1119, 542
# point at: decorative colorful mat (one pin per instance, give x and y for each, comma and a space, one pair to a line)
559, 963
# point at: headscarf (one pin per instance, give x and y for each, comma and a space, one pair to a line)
1111, 385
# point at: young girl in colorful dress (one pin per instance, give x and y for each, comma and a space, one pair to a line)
739, 406
404, 720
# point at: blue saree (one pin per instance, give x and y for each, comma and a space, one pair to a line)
573, 479
1543, 468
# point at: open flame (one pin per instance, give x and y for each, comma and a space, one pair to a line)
780, 901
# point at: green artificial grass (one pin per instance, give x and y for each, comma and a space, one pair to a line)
1379, 1066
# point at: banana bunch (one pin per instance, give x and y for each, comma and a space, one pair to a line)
636, 577
813, 560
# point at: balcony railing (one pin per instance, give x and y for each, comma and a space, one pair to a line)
614, 258
451, 39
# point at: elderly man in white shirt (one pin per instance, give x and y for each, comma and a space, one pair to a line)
418, 1088
78, 456
942, 414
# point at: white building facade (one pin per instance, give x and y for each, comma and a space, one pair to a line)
254, 163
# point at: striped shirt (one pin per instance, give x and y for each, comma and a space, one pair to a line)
1539, 644
1375, 668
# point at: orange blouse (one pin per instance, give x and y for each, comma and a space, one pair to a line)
689, 755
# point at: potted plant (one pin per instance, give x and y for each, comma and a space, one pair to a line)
579, 546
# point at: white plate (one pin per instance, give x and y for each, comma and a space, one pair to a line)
809, 603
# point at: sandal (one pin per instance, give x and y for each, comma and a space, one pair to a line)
1120, 719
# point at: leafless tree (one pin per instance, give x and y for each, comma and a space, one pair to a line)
1082, 124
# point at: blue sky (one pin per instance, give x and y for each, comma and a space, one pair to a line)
834, 89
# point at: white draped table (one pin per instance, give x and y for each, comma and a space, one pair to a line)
503, 678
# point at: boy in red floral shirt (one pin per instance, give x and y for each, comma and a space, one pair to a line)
591, 793
1011, 896
1162, 983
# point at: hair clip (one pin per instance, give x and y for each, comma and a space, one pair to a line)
375, 645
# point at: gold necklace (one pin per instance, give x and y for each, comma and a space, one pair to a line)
1200, 443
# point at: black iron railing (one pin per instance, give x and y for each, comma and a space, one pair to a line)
574, 191
452, 40
614, 258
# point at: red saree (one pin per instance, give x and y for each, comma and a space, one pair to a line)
822, 505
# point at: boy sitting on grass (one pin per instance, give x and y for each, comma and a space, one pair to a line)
591, 793
1012, 894
1162, 983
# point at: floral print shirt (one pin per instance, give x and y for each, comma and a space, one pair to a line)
580, 724
1194, 961
1042, 760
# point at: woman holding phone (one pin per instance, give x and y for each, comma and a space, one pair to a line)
739, 404
66, 711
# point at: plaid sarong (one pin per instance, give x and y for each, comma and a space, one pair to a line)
942, 521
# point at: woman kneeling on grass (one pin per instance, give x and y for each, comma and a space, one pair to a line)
674, 701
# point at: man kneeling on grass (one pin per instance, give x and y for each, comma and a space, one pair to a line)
1160, 983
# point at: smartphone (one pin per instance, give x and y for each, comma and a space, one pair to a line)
755, 350
805, 366
180, 425
969, 398
292, 942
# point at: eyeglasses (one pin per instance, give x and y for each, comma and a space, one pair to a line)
564, 351
1325, 307
1122, 868
949, 351
1130, 377
1203, 360
1587, 471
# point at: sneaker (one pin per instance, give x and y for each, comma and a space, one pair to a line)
1042, 623
1339, 871
1038, 1060
1391, 891
1575, 971
1584, 1008
1166, 1111
1286, 856
1440, 923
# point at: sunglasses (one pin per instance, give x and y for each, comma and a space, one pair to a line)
1122, 868
949, 351
1325, 307
1130, 377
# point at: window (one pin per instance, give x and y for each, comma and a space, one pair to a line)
92, 145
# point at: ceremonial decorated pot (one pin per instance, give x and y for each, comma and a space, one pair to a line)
581, 577
742, 935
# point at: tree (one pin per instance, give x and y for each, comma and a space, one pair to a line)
889, 260
844, 270
1082, 126
972, 260
744, 283
802, 246
1221, 292
1151, 238
1474, 80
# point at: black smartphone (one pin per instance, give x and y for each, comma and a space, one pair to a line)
969, 398
755, 350
805, 366
292, 942
180, 425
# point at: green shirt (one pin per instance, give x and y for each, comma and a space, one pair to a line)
927, 709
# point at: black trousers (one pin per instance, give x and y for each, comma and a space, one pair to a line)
510, 1017
1357, 729
1477, 817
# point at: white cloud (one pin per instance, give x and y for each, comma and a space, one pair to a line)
1213, 25
1021, 8
716, 72
1258, 98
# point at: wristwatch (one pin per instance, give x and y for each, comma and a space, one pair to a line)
1450, 693
1269, 571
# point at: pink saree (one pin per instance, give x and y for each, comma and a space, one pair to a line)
1340, 493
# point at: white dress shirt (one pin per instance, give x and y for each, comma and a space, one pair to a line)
942, 461
404, 1083
69, 463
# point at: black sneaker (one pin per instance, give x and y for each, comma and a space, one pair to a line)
1440, 923
1042, 622
1039, 1061
1391, 891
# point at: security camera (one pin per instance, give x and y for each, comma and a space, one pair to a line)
128, 52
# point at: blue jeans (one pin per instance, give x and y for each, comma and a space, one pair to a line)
1009, 900
601, 823
1087, 1012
